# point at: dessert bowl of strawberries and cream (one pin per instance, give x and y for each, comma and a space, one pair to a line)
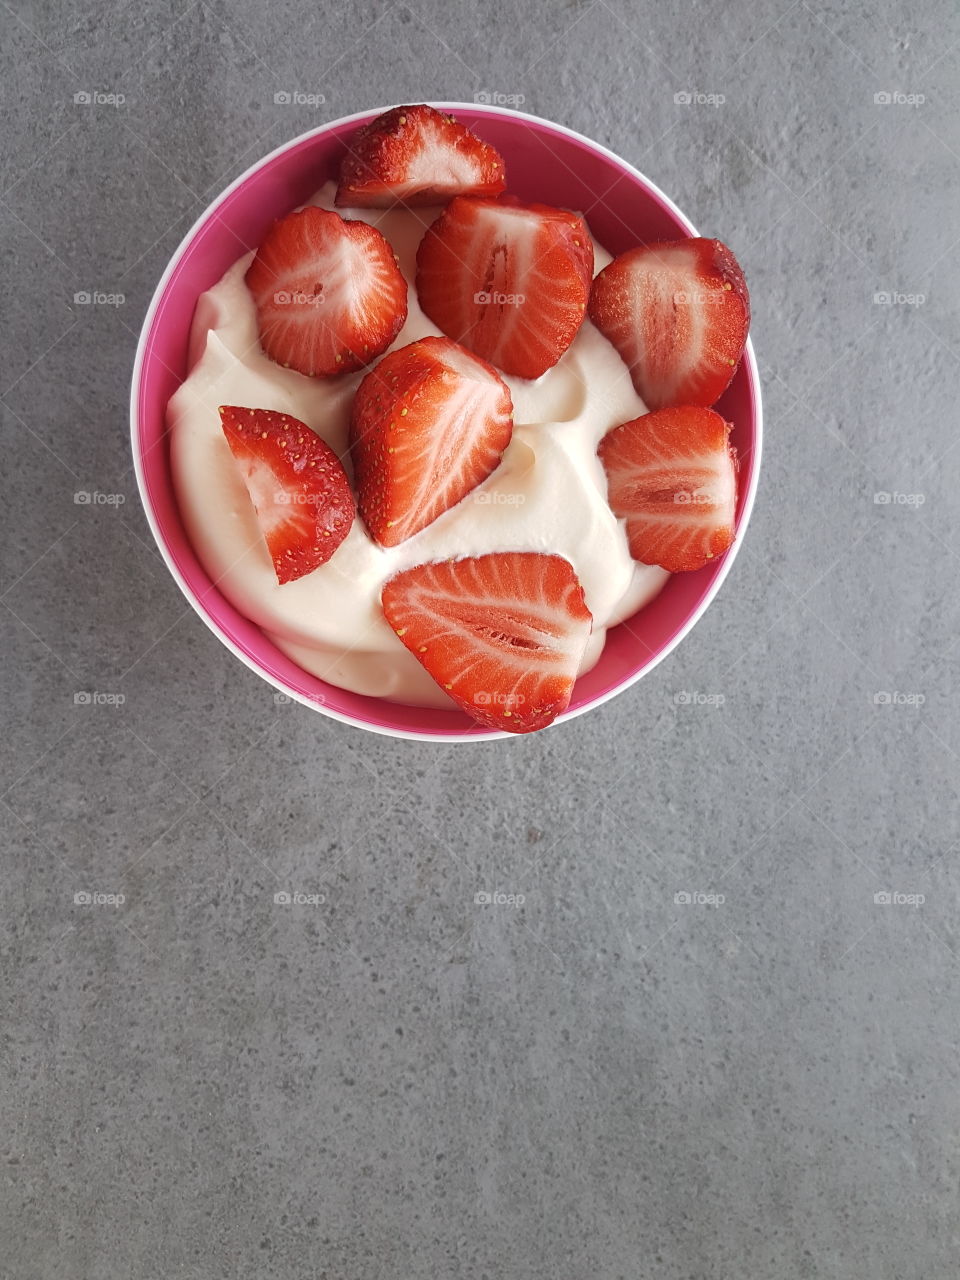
446, 422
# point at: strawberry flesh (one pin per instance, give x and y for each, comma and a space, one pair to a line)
678, 312
504, 634
430, 422
672, 475
296, 484
510, 281
415, 156
329, 294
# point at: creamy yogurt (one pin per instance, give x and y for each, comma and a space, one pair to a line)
548, 494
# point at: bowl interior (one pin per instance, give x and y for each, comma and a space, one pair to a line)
543, 163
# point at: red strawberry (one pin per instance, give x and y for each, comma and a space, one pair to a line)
416, 155
330, 296
429, 424
296, 483
510, 281
673, 476
678, 312
504, 634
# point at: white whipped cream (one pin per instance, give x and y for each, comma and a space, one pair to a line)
548, 494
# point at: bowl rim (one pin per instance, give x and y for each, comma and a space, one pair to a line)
753, 381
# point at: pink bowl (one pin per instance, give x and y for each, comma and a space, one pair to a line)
545, 162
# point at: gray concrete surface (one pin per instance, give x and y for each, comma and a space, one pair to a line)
605, 1083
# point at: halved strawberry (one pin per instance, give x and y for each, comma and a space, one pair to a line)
510, 281
416, 155
673, 475
296, 483
504, 634
429, 424
329, 294
678, 312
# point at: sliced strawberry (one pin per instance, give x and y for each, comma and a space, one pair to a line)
429, 424
510, 281
504, 634
673, 475
329, 294
416, 155
296, 483
678, 312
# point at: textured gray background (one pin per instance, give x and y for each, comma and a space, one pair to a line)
399, 1083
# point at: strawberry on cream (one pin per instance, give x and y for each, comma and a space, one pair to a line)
549, 493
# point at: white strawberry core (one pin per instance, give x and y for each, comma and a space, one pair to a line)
473, 402
441, 167
275, 505
671, 280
